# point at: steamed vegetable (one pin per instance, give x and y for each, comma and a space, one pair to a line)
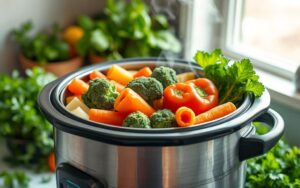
186, 94
75, 103
129, 101
101, 94
107, 116
185, 117
186, 76
96, 74
145, 71
119, 74
166, 75
163, 119
137, 120
148, 88
78, 87
233, 80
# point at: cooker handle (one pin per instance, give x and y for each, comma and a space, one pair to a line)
255, 145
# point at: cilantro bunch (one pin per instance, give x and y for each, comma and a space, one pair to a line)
232, 78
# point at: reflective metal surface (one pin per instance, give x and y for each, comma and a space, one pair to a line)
209, 164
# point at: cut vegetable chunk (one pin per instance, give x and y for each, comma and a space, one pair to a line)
183, 77
129, 101
80, 113
75, 103
78, 87
119, 74
146, 72
107, 116
185, 117
96, 74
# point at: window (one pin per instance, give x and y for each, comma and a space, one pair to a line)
267, 31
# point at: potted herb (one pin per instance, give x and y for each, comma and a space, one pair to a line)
45, 49
126, 30
27, 133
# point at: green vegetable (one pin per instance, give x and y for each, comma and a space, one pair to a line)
148, 88
41, 47
163, 119
101, 94
166, 75
279, 168
137, 120
233, 79
14, 179
26, 131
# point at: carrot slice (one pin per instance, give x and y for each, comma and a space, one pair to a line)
119, 74
78, 87
129, 101
183, 77
107, 116
185, 116
118, 86
146, 72
158, 103
96, 74
215, 113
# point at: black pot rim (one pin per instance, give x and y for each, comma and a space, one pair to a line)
51, 104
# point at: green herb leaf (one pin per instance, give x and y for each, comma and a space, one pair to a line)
232, 78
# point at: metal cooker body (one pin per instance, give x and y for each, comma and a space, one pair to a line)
211, 155
211, 163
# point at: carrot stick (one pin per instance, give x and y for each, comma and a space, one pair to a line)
119, 74
146, 72
183, 77
96, 74
215, 113
78, 87
158, 103
107, 116
185, 117
129, 101
118, 86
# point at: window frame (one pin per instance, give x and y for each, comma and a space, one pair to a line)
233, 11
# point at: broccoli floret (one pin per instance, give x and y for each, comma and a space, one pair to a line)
166, 75
101, 94
137, 120
148, 88
163, 119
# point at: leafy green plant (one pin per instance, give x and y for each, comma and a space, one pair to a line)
42, 47
14, 179
127, 30
27, 132
279, 168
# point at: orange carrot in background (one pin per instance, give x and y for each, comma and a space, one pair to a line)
185, 117
51, 162
119, 87
70, 98
146, 72
129, 101
107, 116
119, 74
215, 113
183, 77
78, 87
96, 74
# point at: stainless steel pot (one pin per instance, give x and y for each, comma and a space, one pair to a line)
90, 154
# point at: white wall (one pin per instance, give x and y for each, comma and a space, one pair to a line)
43, 13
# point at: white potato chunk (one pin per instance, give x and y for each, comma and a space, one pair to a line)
77, 103
80, 113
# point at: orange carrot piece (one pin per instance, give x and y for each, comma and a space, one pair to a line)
158, 103
129, 101
78, 87
96, 74
119, 74
107, 116
185, 117
118, 86
146, 72
183, 77
215, 113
